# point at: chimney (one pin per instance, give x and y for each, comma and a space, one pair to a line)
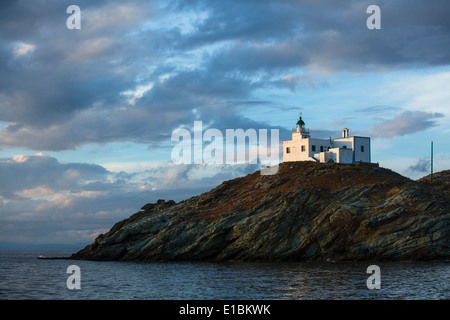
345, 133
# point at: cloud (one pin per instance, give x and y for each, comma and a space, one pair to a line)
115, 16
295, 81
31, 172
23, 49
407, 122
69, 89
45, 200
422, 165
69, 70
150, 118
40, 196
379, 109
325, 37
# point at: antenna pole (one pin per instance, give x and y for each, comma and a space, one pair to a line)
431, 177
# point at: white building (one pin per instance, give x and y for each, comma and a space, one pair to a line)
343, 150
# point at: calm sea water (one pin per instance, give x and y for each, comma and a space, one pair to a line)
23, 276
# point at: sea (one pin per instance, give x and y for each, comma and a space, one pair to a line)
25, 277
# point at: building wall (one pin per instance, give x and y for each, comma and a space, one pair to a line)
323, 157
317, 144
343, 143
296, 153
342, 150
345, 155
296, 136
360, 155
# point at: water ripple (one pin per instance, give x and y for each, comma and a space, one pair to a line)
23, 276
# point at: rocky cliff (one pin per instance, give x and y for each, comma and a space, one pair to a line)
439, 180
307, 211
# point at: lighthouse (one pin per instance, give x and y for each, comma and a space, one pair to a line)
301, 129
346, 149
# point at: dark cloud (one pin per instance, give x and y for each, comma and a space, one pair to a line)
67, 86
407, 122
299, 81
68, 70
328, 37
45, 200
242, 21
32, 171
422, 165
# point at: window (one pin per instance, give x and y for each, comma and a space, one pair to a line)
303, 149
288, 150
313, 147
362, 148
321, 148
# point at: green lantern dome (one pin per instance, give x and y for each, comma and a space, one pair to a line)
300, 122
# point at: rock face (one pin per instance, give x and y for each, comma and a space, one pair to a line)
439, 180
307, 211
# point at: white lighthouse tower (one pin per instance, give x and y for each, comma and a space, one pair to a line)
301, 129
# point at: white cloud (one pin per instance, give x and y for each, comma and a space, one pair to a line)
58, 201
422, 92
22, 49
138, 92
38, 192
19, 158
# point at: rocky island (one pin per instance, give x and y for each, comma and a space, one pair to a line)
307, 211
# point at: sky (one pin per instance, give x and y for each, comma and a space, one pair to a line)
87, 115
